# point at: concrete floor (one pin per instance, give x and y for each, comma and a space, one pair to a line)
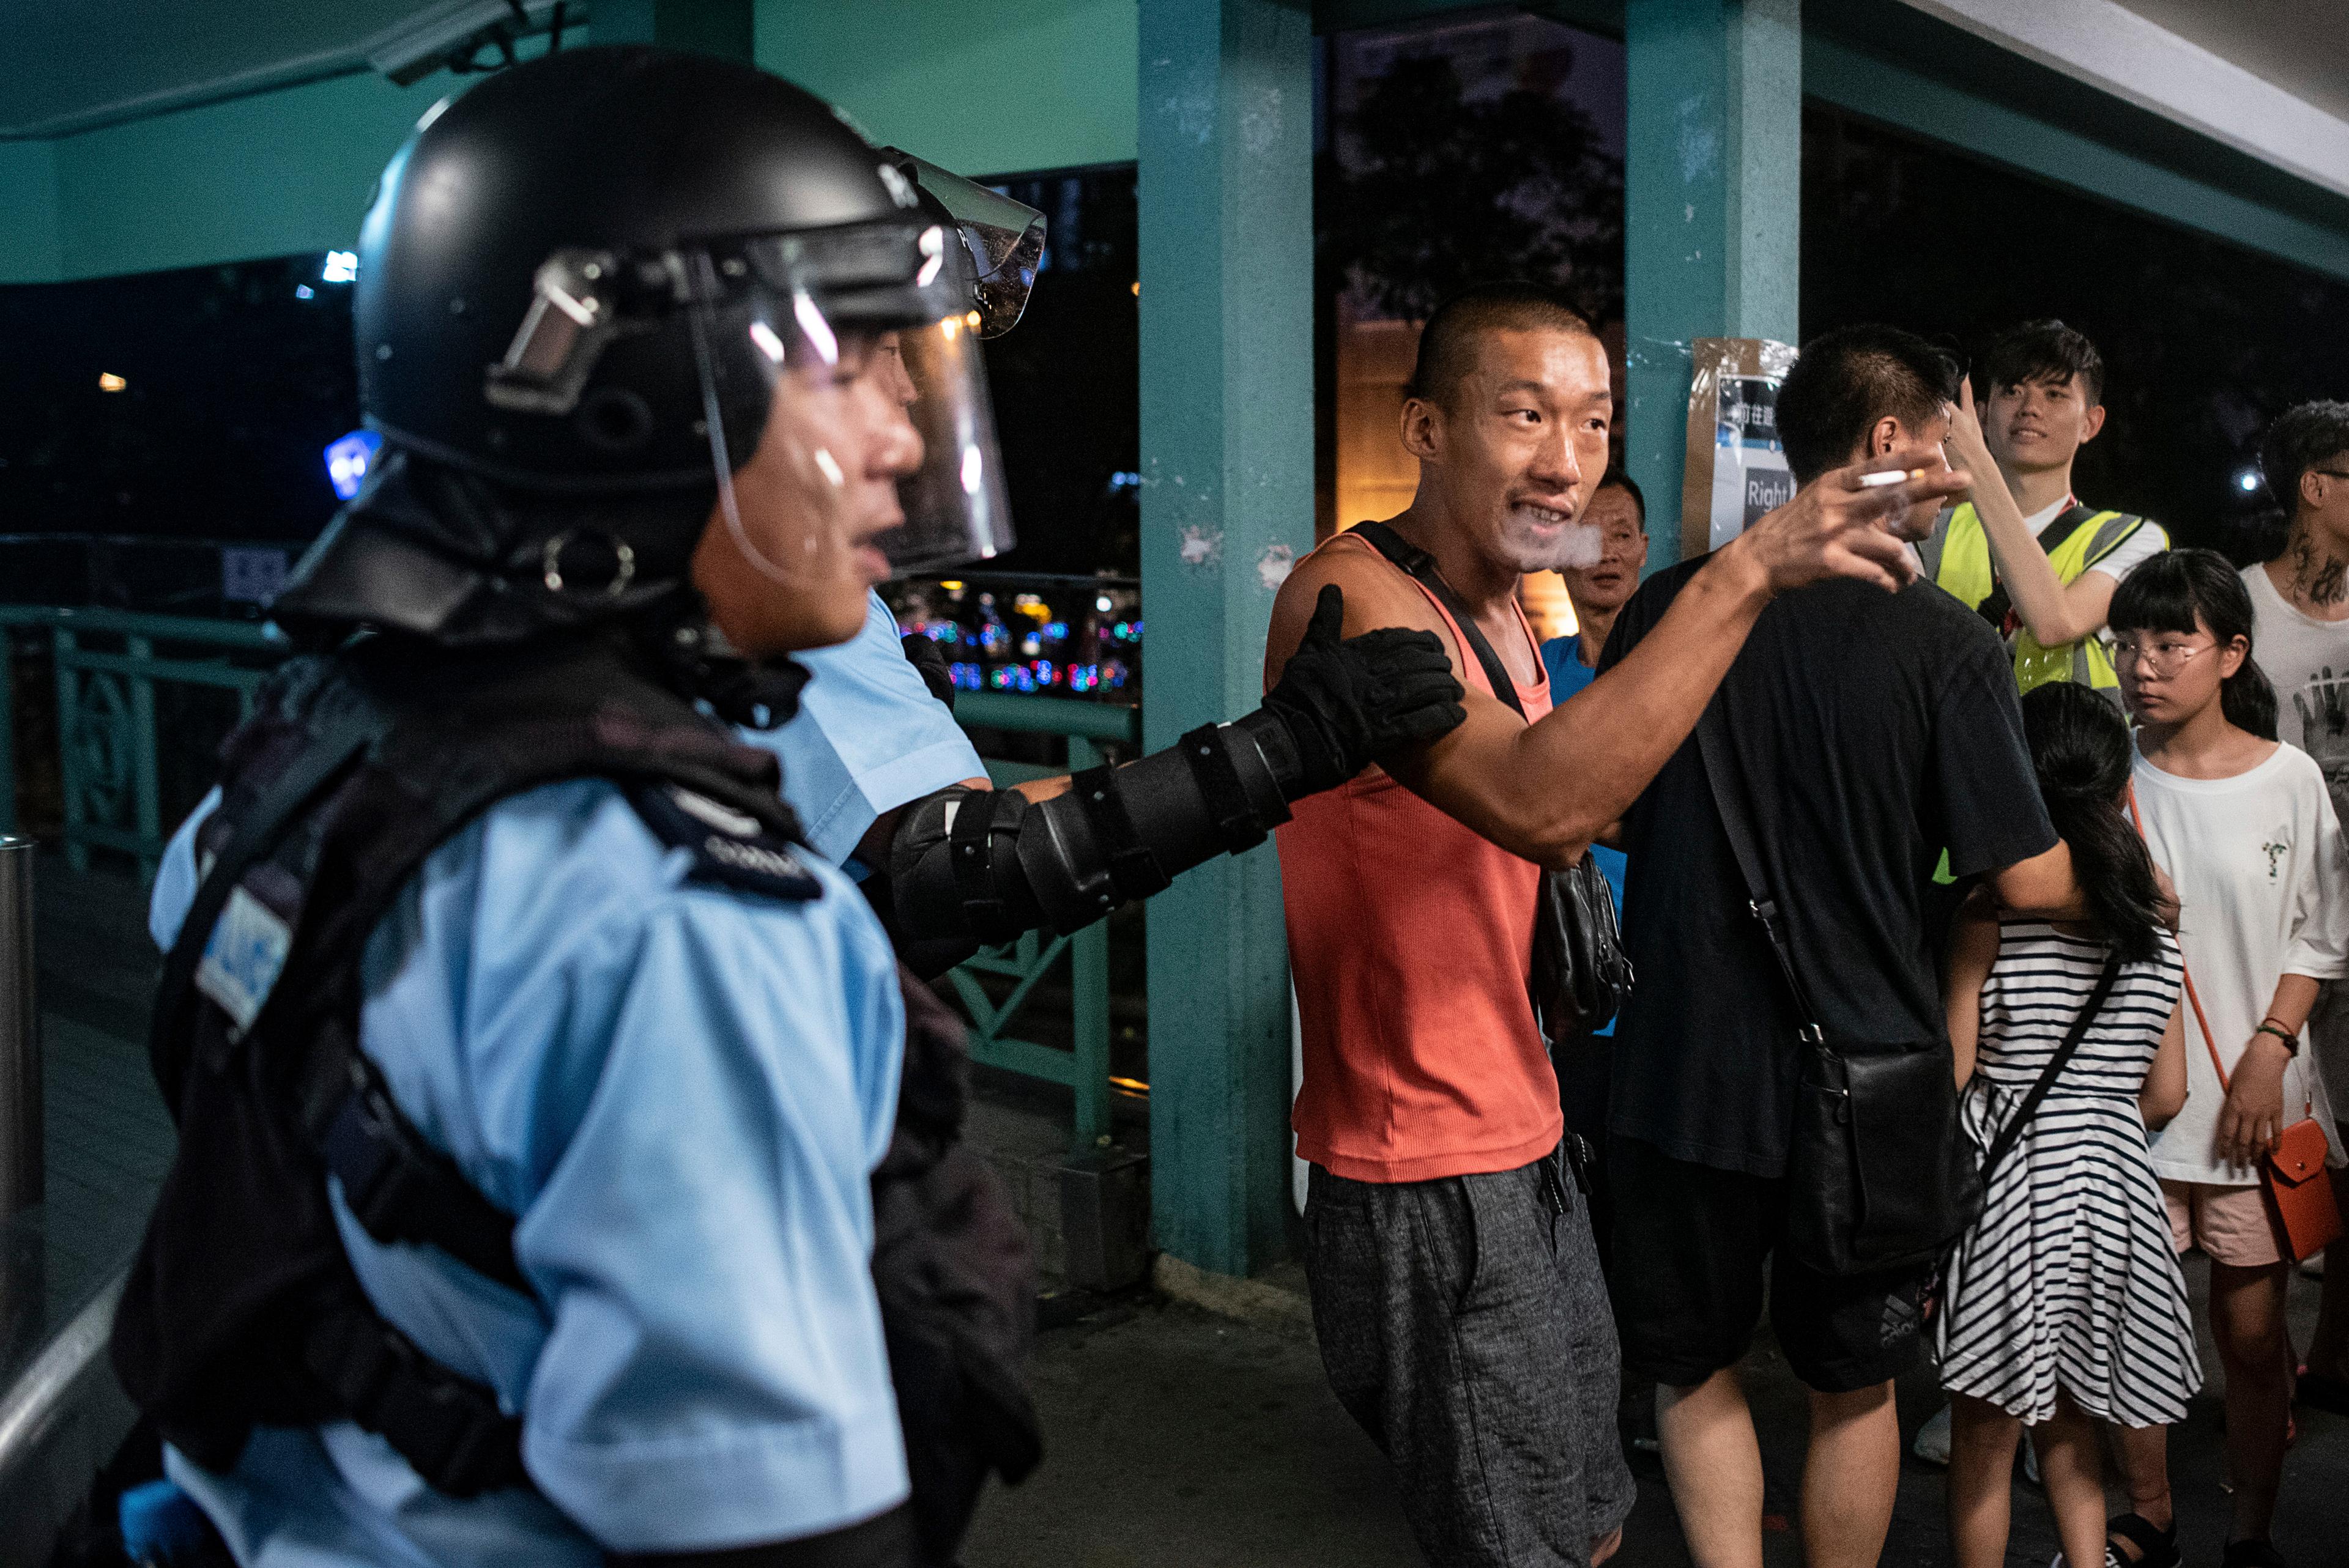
1177, 1438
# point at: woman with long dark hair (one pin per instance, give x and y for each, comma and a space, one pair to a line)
2065, 1305
2246, 828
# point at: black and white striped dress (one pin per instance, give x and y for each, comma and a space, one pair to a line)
2069, 1279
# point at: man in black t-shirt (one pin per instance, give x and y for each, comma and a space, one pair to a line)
1872, 731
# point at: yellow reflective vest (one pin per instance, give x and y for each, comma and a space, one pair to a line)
1958, 559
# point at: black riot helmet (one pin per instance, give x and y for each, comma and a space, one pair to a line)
597, 286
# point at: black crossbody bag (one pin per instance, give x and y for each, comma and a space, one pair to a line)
1879, 1172
1581, 977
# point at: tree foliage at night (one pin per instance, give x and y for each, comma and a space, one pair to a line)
1442, 190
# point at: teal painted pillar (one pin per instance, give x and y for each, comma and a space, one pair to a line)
1712, 187
706, 26
1227, 274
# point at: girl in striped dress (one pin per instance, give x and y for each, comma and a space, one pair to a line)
2065, 1303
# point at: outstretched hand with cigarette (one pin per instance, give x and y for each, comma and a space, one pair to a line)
1856, 521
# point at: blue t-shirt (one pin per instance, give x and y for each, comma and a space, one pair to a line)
680, 1090
1562, 657
868, 738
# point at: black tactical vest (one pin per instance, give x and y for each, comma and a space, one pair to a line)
242, 1310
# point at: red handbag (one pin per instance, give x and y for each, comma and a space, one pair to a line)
2293, 1178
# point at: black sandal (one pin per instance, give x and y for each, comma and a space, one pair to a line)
2252, 1554
2156, 1548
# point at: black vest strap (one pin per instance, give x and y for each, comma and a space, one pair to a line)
169, 1035
399, 1187
449, 1429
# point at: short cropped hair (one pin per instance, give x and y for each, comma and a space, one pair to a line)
2043, 351
1447, 343
1846, 380
2304, 436
1616, 478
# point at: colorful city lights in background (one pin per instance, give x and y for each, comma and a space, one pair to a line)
1063, 636
347, 460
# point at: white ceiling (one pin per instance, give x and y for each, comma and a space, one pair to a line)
72, 64
2300, 45
2269, 77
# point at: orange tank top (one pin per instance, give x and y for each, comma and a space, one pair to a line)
1410, 940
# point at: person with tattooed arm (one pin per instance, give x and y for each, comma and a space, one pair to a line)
2300, 608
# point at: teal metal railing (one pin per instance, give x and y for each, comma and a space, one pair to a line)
109, 662
106, 672
1084, 1067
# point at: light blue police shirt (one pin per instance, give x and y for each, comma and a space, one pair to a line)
868, 738
681, 1091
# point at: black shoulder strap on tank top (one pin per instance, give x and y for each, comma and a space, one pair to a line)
1418, 564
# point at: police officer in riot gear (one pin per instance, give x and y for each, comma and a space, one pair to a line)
566, 1172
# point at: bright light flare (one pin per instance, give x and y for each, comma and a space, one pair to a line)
349, 458
342, 267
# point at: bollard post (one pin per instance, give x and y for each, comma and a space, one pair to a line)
21, 1160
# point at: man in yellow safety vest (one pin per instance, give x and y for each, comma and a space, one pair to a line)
2035, 562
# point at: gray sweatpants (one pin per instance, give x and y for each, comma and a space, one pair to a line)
1465, 1325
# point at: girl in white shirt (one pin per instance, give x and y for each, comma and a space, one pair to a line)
2246, 830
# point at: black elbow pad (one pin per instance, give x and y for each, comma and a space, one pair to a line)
954, 867
988, 865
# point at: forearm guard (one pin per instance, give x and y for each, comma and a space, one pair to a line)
984, 866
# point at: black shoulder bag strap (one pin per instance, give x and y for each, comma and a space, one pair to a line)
1729, 801
2013, 1131
1419, 564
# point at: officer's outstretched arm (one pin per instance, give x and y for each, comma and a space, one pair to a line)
887, 1542
976, 866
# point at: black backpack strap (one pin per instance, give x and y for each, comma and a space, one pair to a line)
2117, 531
1737, 822
1418, 564
2013, 1131
2060, 526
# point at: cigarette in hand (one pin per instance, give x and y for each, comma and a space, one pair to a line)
1889, 477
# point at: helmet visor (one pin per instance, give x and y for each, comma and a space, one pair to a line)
870, 427
1003, 238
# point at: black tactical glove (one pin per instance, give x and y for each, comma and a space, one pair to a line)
929, 662
1348, 701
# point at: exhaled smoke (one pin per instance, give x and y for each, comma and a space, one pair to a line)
1581, 544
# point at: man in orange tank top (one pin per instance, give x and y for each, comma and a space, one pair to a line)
1456, 1294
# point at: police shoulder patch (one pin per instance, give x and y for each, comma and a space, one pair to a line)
728, 846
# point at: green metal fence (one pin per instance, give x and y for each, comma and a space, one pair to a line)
109, 662
108, 667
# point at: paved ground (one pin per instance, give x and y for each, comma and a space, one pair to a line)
1180, 1440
